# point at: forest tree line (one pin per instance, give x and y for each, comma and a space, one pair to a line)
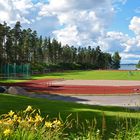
21, 46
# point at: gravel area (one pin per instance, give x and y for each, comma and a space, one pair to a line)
128, 101
115, 100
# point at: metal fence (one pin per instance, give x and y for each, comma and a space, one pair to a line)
15, 71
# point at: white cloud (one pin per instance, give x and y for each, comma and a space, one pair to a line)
56, 7
81, 22
15, 10
133, 43
113, 41
4, 16
135, 25
22, 5
68, 35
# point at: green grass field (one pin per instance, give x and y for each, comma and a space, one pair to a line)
93, 75
113, 115
87, 75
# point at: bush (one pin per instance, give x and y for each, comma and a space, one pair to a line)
69, 66
38, 67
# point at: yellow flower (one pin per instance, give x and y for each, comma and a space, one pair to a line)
11, 113
15, 117
56, 122
0, 122
7, 132
48, 124
38, 118
19, 119
28, 109
30, 119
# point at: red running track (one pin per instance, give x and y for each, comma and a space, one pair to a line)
45, 86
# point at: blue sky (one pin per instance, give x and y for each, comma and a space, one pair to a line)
124, 14
112, 24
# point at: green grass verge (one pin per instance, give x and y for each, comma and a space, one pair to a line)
11, 81
93, 75
113, 115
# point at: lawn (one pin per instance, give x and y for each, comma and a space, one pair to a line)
114, 116
93, 75
86, 75
11, 81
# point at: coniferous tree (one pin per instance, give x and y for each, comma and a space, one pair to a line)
25, 46
17, 36
1, 43
116, 60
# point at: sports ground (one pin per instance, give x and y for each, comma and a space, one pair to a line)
96, 90
85, 83
100, 87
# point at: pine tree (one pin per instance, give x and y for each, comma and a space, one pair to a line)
116, 60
